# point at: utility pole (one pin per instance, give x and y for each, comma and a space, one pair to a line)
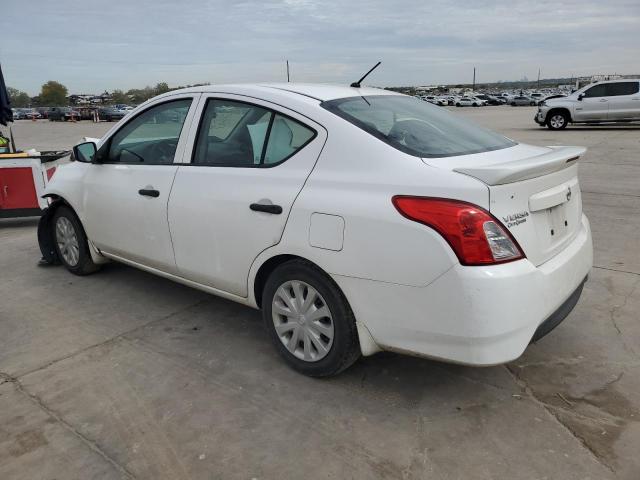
288, 71
538, 79
474, 80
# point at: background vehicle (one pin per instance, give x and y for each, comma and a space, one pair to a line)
265, 195
32, 113
111, 114
18, 114
609, 101
490, 99
56, 114
469, 102
521, 100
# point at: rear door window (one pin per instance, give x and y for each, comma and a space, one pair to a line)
238, 134
621, 88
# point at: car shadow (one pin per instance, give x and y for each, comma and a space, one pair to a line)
217, 325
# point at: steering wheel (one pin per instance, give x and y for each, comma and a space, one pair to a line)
163, 151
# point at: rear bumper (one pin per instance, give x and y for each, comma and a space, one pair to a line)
474, 315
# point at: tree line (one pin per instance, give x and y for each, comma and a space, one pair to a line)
54, 93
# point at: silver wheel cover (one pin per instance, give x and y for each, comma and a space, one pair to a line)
67, 241
557, 121
302, 320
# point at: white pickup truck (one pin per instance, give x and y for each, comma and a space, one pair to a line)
601, 102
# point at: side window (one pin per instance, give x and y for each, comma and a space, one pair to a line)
621, 88
237, 134
596, 91
285, 138
151, 137
231, 134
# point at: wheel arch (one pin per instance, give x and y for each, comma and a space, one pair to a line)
553, 110
368, 345
45, 231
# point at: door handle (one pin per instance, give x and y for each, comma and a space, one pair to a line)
148, 192
604, 100
267, 208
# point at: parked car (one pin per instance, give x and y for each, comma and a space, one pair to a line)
610, 101
537, 96
490, 99
521, 100
469, 102
18, 114
356, 220
32, 113
111, 114
55, 114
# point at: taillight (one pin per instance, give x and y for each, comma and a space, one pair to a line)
476, 236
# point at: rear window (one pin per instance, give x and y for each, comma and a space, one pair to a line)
416, 127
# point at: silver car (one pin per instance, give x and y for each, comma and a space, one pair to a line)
610, 101
522, 100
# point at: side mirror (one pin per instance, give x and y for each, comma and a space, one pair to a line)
580, 97
85, 152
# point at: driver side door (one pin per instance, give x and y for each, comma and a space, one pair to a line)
594, 104
126, 191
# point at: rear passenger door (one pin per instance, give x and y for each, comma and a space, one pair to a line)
248, 162
624, 100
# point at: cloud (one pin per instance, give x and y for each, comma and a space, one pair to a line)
94, 45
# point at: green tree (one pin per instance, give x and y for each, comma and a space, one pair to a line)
53, 93
140, 95
118, 96
161, 87
18, 99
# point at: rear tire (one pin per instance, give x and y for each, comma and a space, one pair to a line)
557, 120
70, 242
312, 327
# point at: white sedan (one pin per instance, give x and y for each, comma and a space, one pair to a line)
356, 219
470, 102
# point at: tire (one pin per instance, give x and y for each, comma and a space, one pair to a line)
458, 105
476, 105
74, 255
337, 353
109, 119
557, 120
513, 104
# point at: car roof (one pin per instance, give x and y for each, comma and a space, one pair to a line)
317, 91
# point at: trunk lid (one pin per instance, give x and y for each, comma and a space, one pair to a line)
533, 191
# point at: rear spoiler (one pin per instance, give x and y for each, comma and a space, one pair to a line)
513, 171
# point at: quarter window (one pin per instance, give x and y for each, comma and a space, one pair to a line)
237, 134
151, 137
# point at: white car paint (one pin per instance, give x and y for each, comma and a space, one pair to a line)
404, 283
470, 102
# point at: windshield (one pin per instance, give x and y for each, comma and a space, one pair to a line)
416, 127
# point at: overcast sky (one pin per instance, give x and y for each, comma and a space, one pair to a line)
93, 45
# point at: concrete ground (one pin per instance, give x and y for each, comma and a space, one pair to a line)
126, 375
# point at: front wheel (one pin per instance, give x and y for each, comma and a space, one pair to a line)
557, 121
309, 320
71, 242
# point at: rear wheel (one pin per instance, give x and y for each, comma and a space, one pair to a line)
71, 242
309, 320
557, 120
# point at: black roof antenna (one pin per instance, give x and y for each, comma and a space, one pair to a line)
357, 84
